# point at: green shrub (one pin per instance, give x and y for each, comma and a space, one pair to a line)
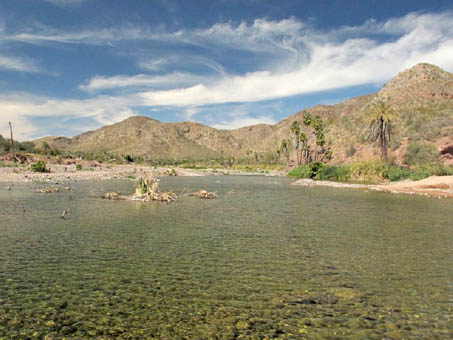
351, 151
422, 171
295, 172
396, 173
368, 170
193, 166
310, 170
38, 166
79, 167
334, 173
128, 158
419, 174
420, 153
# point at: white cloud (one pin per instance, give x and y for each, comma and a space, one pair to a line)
260, 36
190, 112
104, 36
331, 64
142, 80
22, 109
22, 128
65, 2
154, 64
239, 122
17, 64
185, 60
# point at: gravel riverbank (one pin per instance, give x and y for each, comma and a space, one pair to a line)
434, 186
60, 173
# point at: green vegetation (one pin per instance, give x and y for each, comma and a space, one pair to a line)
240, 166
381, 125
420, 153
39, 166
430, 121
351, 151
79, 167
5, 146
370, 171
128, 158
311, 147
46, 149
310, 170
7, 164
194, 166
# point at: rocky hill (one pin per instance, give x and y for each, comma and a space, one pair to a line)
422, 95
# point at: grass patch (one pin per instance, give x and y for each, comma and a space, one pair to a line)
370, 171
38, 166
193, 166
7, 164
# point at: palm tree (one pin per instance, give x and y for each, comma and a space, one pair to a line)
382, 121
295, 130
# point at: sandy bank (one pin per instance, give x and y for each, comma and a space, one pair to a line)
60, 173
435, 186
69, 173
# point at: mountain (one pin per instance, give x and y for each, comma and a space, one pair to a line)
422, 95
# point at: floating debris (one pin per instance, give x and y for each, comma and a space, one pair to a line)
147, 190
204, 194
48, 190
112, 196
170, 172
65, 212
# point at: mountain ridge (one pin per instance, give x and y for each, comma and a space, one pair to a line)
423, 96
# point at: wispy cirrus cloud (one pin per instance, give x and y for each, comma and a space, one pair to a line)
154, 64
17, 64
104, 36
325, 63
243, 120
66, 2
300, 59
141, 80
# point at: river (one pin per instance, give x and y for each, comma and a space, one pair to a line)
266, 260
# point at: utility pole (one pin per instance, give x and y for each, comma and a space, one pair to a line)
12, 141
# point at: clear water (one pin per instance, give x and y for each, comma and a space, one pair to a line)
266, 260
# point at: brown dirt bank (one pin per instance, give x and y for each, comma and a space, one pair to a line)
434, 186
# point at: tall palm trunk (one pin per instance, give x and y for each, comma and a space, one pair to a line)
383, 139
12, 142
384, 148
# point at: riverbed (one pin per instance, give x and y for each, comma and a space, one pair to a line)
264, 260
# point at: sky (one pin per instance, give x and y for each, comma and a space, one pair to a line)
68, 66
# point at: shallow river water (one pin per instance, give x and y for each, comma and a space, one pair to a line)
266, 260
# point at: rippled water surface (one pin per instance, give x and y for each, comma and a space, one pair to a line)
264, 261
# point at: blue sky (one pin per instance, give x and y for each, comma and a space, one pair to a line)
67, 66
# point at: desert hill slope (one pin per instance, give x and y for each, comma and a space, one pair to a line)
422, 95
